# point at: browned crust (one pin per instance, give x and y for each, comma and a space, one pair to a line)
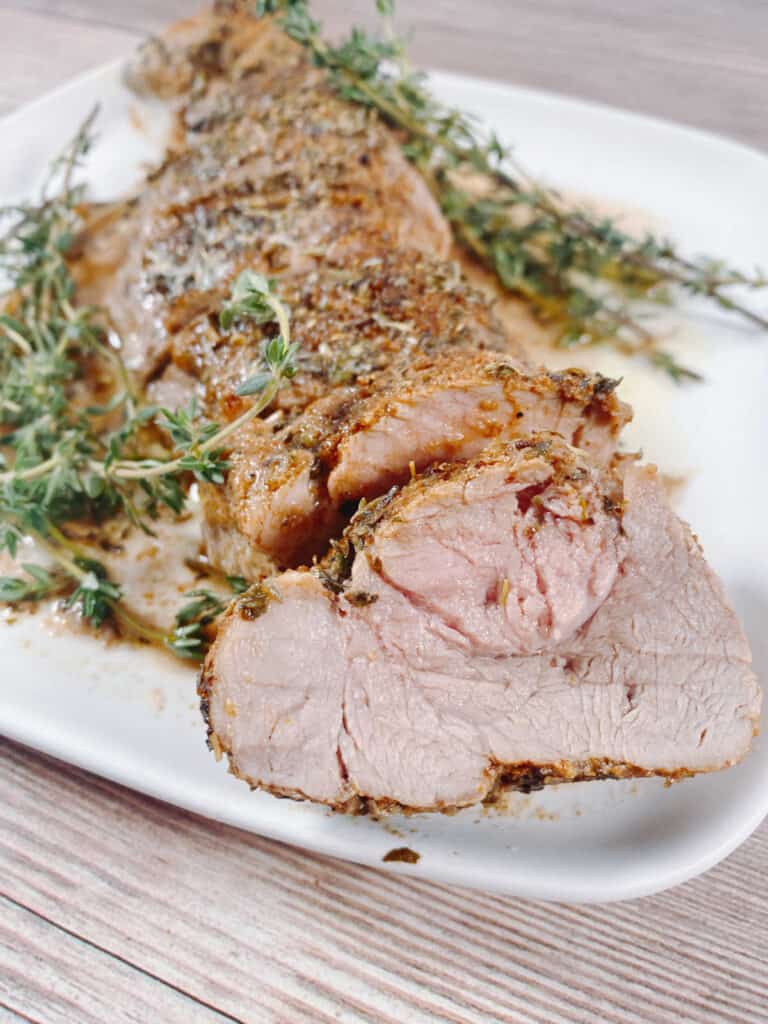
353, 319
526, 777
570, 467
272, 170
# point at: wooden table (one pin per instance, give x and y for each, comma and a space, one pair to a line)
116, 908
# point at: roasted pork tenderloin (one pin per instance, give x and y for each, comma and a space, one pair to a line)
459, 584
525, 616
402, 365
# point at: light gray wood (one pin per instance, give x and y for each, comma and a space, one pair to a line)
702, 62
38, 53
118, 908
48, 974
267, 933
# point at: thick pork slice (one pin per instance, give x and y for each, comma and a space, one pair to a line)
526, 616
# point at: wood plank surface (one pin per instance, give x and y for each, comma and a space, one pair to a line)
701, 62
74, 979
267, 933
117, 908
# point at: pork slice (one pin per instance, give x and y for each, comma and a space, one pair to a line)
451, 407
353, 318
277, 713
272, 513
289, 494
496, 623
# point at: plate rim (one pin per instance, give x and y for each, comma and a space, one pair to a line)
437, 872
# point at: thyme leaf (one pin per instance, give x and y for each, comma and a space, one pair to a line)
37, 584
249, 299
194, 625
95, 594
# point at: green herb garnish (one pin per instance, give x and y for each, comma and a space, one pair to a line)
59, 463
580, 274
37, 584
194, 621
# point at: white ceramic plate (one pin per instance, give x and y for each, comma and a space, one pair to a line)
131, 715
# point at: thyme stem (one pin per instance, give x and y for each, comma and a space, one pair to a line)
140, 469
33, 473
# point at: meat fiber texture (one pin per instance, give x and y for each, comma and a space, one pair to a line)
523, 617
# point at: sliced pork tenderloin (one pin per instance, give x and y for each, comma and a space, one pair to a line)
269, 169
288, 492
400, 365
350, 319
525, 616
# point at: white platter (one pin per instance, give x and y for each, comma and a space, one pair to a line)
131, 714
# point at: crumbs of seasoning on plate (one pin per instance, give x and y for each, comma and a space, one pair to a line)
215, 745
402, 854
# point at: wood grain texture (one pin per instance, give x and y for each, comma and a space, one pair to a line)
701, 62
267, 933
39, 53
76, 980
117, 908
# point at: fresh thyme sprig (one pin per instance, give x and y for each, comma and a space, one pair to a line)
95, 595
84, 581
580, 274
63, 460
193, 624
